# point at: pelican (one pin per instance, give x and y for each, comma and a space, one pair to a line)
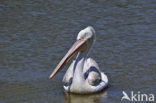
83, 75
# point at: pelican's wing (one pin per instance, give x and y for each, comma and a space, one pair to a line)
68, 77
91, 71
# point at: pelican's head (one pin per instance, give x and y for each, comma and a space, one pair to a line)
87, 34
84, 41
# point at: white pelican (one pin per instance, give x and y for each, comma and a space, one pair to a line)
83, 75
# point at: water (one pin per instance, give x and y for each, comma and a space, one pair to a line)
36, 34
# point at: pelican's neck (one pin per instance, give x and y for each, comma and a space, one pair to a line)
79, 65
78, 76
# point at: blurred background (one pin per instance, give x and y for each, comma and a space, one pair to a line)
36, 34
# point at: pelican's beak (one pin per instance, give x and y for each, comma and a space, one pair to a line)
78, 46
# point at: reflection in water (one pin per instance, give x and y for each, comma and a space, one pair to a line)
76, 98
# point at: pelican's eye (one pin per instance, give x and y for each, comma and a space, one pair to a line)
83, 37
